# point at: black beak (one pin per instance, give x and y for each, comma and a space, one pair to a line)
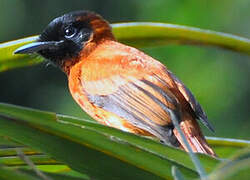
37, 46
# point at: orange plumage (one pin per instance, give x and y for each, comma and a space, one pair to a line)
120, 86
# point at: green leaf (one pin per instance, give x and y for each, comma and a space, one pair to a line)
67, 134
36, 159
226, 147
171, 153
9, 61
53, 169
24, 174
7, 174
11, 151
221, 145
60, 169
94, 151
237, 167
138, 34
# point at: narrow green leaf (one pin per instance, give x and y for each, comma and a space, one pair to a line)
26, 174
7, 174
226, 147
49, 123
56, 169
168, 152
9, 157
138, 34
52, 169
82, 148
9, 61
36, 159
11, 151
77, 156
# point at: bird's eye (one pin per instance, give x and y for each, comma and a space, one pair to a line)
70, 32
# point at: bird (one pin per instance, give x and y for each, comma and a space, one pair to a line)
118, 85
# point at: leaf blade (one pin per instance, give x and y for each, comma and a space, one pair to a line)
120, 151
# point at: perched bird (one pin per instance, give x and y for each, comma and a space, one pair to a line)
118, 85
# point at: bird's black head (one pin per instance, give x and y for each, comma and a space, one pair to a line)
66, 36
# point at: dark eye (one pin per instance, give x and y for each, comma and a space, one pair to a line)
70, 32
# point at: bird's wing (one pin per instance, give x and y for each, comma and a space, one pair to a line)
190, 99
146, 103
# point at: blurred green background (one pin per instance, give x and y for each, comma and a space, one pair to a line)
218, 78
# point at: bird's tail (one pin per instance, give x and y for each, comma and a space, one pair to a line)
193, 134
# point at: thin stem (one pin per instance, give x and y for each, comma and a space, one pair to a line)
192, 155
31, 164
148, 34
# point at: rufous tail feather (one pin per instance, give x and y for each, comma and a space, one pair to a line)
194, 137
